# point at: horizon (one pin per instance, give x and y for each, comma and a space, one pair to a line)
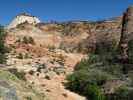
62, 10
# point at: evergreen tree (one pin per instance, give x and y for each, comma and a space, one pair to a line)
3, 49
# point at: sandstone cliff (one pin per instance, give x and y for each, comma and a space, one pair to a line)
23, 18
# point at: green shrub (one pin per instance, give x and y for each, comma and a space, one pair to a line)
3, 58
93, 92
6, 75
95, 60
84, 64
88, 83
51, 48
31, 72
20, 75
94, 76
40, 67
23, 56
20, 56
27, 56
28, 98
122, 93
105, 47
113, 69
28, 40
89, 63
25, 40
31, 40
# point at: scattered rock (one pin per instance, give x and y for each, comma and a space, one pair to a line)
65, 95
7, 92
50, 75
59, 70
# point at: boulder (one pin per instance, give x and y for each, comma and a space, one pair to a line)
7, 92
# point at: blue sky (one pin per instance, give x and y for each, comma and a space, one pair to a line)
63, 10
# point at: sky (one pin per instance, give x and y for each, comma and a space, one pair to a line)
63, 10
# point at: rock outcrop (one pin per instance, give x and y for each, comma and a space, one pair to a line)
7, 92
22, 18
127, 32
72, 37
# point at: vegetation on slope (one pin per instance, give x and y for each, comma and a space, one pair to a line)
102, 76
13, 84
17, 88
3, 49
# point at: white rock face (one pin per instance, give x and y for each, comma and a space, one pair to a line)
23, 18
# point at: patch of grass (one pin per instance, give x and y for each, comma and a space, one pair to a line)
26, 91
19, 75
6, 75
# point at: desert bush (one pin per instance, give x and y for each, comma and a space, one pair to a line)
6, 75
40, 67
94, 92
20, 75
31, 40
18, 41
113, 69
25, 40
91, 62
28, 40
28, 98
94, 76
23, 56
122, 93
95, 60
88, 83
3, 58
82, 65
27, 56
106, 47
51, 48
31, 72
20, 56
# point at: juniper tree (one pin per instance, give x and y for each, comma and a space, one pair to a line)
3, 48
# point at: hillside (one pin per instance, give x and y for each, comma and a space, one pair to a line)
46, 53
